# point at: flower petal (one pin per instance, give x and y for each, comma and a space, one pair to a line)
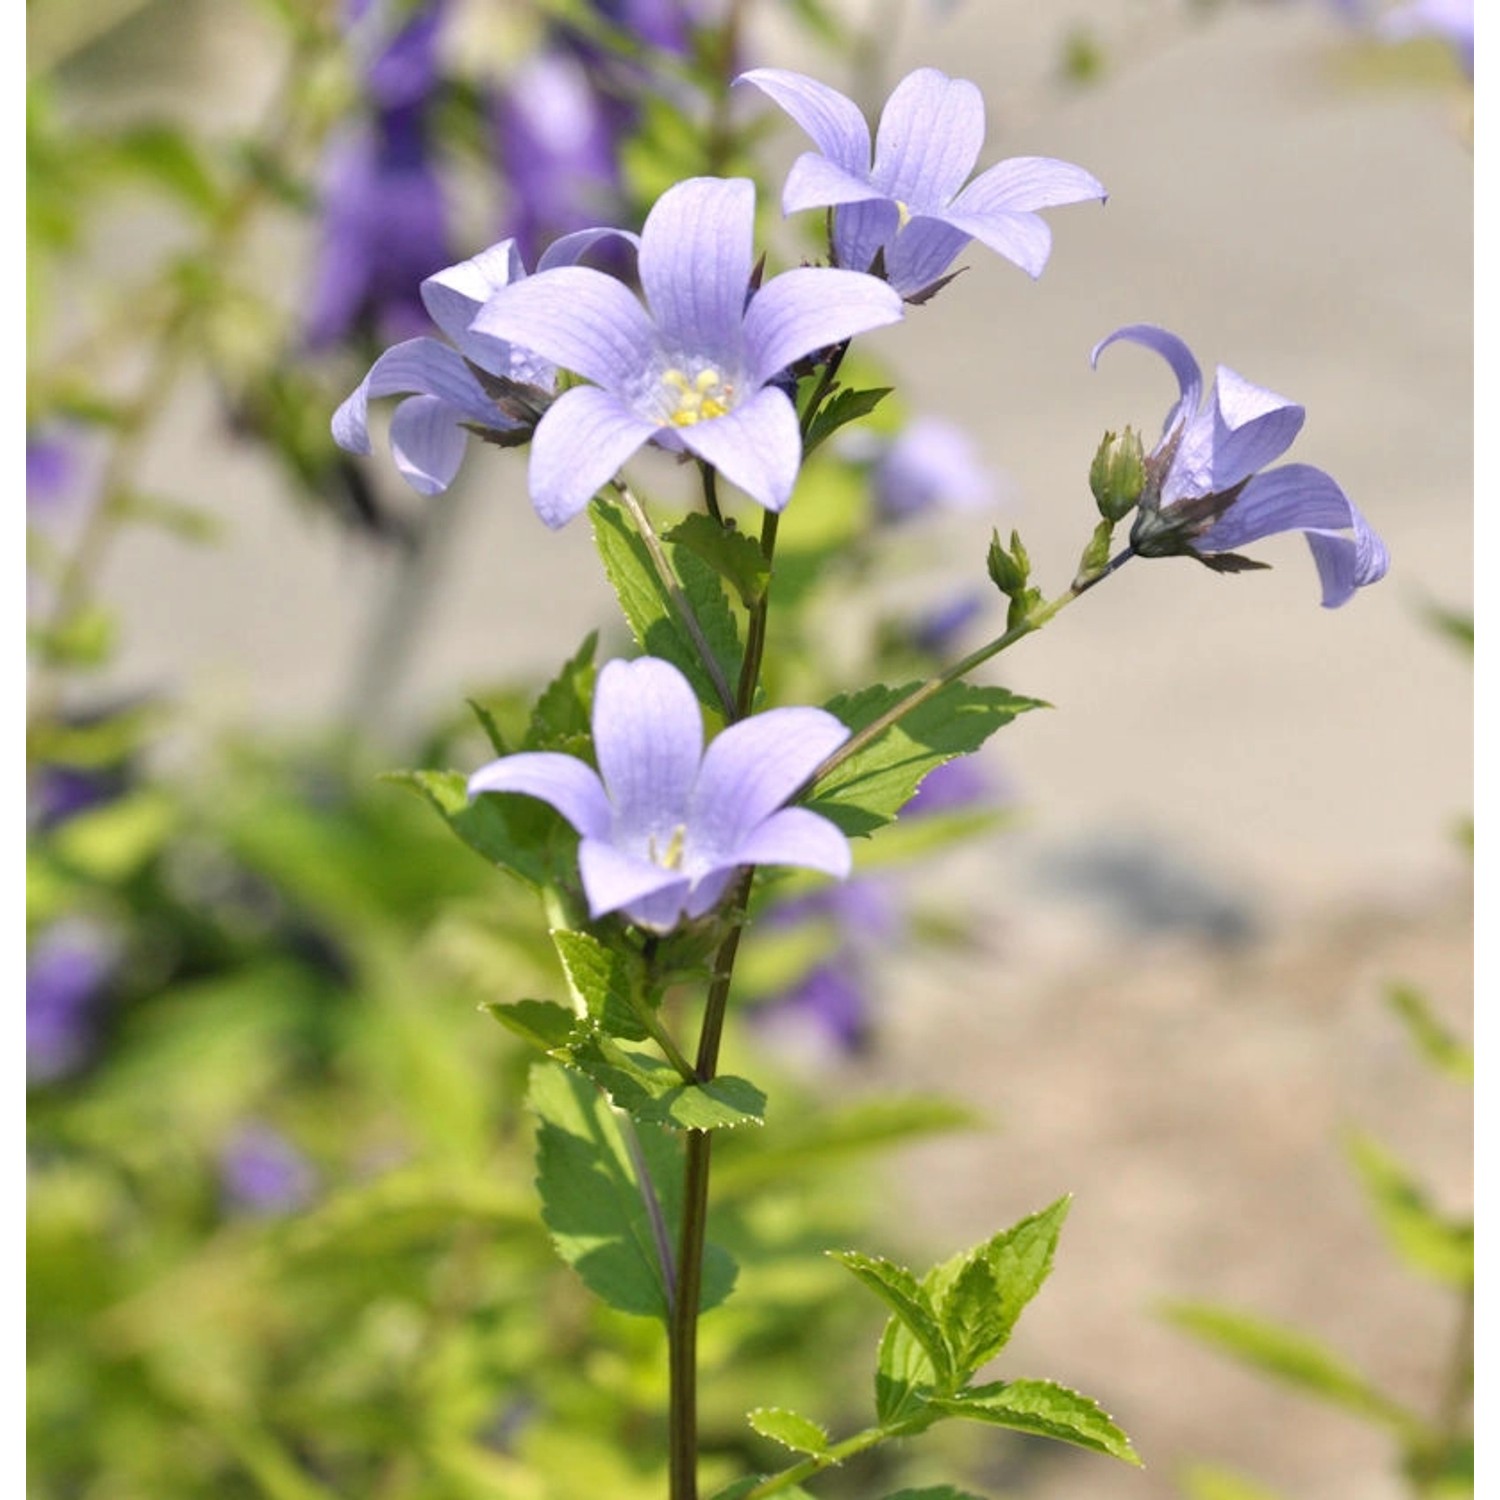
427, 443
612, 880
569, 249
1175, 352
750, 769
578, 447
648, 737
455, 294
795, 836
1024, 184
417, 367
922, 251
860, 229
1252, 428
816, 182
561, 781
578, 318
1294, 497
810, 308
930, 133
757, 446
709, 890
697, 251
833, 121
1346, 564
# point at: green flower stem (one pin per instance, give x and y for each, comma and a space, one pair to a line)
669, 581
919, 695
816, 1463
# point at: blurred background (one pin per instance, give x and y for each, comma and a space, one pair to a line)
282, 1235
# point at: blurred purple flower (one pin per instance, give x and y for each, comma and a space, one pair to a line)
911, 206
937, 631
428, 435
385, 223
51, 468
68, 969
829, 1008
57, 793
930, 465
263, 1174
952, 787
665, 824
697, 370
1206, 495
1451, 20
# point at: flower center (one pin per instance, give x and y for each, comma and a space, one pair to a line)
903, 215
669, 858
706, 395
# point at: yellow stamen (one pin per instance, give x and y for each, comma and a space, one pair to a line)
671, 857
706, 395
903, 215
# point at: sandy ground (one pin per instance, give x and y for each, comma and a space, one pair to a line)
1222, 740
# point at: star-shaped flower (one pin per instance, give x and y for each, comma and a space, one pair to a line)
1206, 492
443, 393
693, 368
666, 824
911, 203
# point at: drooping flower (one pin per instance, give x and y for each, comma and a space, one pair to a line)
1451, 20
665, 824
427, 433
911, 206
264, 1174
1209, 493
930, 465
693, 369
385, 221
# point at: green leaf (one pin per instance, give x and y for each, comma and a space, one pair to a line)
800, 1434
112, 842
649, 610
652, 1091
1434, 1040
1294, 1359
934, 1492
187, 522
1429, 1243
1209, 1482
846, 407
543, 1023
901, 1292
167, 157
870, 788
1045, 1409
491, 728
1021, 1259
735, 557
561, 716
518, 833
610, 1222
604, 981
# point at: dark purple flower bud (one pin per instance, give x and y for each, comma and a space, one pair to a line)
68, 968
264, 1174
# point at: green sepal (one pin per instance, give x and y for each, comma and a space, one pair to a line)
790, 1429
847, 406
735, 557
649, 610
909, 1301
870, 788
543, 1023
1045, 1409
1431, 1244
596, 1207
653, 1092
1290, 1356
1095, 557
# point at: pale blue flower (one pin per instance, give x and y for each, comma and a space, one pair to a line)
930, 465
1210, 493
665, 824
428, 432
696, 368
910, 205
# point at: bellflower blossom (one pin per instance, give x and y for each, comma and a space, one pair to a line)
930, 465
911, 206
665, 824
696, 367
443, 393
1206, 494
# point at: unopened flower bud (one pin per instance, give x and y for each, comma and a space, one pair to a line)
1095, 557
1009, 570
1117, 475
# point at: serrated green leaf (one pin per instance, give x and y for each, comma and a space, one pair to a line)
904, 1295
1434, 1040
1021, 1258
735, 557
561, 715
614, 1229
846, 407
518, 833
491, 728
1429, 1243
652, 1091
1209, 1482
800, 1434
870, 788
1045, 1409
648, 607
604, 981
543, 1023
975, 1320
1293, 1358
